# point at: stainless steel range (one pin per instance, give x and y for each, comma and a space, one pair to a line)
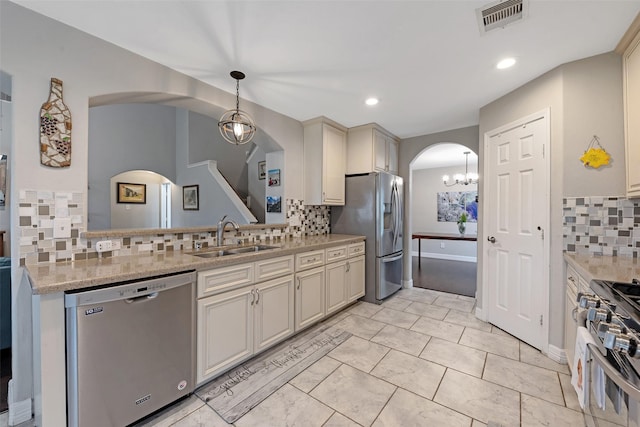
612, 317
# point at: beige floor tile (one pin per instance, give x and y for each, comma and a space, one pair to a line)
401, 339
359, 353
396, 318
411, 373
537, 412
336, 318
339, 420
174, 413
454, 303
570, 396
477, 423
466, 298
437, 328
498, 331
364, 309
427, 310
314, 374
360, 326
353, 393
534, 357
417, 294
468, 320
525, 378
396, 303
407, 409
491, 343
287, 406
204, 416
455, 356
479, 399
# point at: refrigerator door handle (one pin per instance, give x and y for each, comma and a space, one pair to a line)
395, 258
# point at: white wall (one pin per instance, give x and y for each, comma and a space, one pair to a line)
426, 184
132, 215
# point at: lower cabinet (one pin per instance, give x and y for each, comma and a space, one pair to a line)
310, 294
234, 325
344, 283
355, 278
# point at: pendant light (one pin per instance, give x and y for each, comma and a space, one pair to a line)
236, 126
466, 179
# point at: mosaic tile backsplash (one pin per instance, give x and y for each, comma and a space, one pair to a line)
39, 211
602, 226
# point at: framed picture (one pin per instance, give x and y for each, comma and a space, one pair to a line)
190, 198
274, 204
131, 193
262, 170
274, 178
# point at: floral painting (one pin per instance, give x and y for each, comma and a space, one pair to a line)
451, 204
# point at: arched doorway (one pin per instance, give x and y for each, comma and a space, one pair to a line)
443, 258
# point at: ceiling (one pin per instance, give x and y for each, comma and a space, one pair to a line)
426, 61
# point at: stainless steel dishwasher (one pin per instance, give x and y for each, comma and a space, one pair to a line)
130, 349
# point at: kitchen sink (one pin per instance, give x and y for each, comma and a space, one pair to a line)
233, 251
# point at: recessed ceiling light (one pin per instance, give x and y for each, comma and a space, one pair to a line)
371, 101
506, 63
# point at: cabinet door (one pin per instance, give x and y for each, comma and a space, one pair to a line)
273, 312
355, 278
225, 331
392, 156
334, 165
336, 285
631, 114
379, 151
310, 286
570, 327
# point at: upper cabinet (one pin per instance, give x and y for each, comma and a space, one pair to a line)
631, 79
370, 148
325, 160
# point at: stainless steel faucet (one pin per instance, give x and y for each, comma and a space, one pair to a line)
220, 230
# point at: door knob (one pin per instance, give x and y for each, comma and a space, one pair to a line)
491, 239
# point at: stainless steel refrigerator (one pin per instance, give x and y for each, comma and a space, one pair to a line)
373, 208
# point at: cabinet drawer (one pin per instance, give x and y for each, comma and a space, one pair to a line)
356, 249
573, 280
337, 253
275, 267
309, 259
212, 282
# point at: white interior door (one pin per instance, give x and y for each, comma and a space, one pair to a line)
516, 215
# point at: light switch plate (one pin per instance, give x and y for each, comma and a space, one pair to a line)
61, 228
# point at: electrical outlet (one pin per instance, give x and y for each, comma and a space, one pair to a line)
104, 246
115, 245
441, 245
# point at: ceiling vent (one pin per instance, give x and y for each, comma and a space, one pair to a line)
499, 14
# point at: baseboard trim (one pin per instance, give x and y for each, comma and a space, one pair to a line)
557, 354
480, 314
19, 412
449, 257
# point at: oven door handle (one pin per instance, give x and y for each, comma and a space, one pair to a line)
613, 374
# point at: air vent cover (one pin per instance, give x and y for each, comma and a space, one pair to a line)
499, 14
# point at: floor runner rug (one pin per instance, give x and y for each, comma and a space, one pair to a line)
237, 391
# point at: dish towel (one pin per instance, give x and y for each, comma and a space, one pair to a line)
580, 365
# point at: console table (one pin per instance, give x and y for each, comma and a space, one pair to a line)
440, 236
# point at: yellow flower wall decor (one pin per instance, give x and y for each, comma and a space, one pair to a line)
595, 157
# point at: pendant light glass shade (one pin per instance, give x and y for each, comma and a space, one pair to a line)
466, 179
236, 126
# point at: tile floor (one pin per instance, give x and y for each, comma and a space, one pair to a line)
419, 359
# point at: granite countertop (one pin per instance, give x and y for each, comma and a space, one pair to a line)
619, 269
77, 275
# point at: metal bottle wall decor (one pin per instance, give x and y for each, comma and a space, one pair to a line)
55, 129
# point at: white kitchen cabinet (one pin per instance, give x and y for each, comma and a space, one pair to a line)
336, 286
310, 297
355, 278
631, 79
310, 259
370, 148
273, 312
225, 331
575, 284
325, 159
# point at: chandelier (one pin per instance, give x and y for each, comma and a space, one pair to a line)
236, 126
466, 179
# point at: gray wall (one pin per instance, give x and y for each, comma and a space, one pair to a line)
584, 98
126, 137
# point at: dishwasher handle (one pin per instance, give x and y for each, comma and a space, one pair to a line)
142, 298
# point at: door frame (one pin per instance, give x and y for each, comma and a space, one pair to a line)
484, 313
